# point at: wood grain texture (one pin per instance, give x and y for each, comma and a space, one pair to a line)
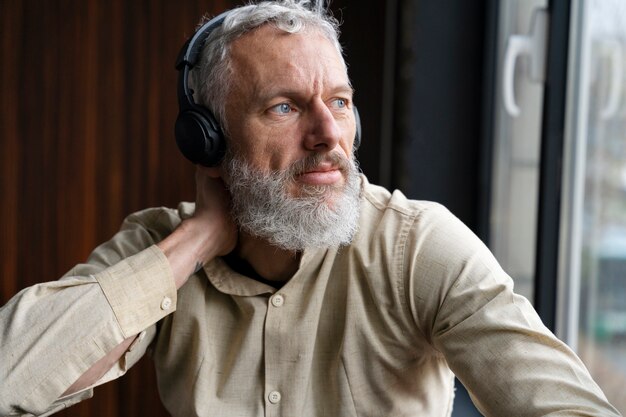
88, 102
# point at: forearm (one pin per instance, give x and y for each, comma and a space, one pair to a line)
188, 248
100, 368
53, 333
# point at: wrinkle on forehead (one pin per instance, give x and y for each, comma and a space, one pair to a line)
268, 58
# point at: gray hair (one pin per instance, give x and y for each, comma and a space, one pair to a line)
210, 77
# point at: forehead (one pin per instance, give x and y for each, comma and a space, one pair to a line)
268, 56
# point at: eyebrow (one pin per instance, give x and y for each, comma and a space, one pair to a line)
344, 88
264, 96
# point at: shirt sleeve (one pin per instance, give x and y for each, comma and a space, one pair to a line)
492, 338
51, 333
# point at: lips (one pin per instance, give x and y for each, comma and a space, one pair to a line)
323, 175
321, 169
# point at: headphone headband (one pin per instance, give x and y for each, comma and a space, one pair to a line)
190, 51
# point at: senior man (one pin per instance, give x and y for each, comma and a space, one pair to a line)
292, 287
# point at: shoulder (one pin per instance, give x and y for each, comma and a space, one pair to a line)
401, 233
426, 223
428, 239
384, 212
425, 241
406, 250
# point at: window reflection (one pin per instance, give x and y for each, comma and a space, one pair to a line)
602, 249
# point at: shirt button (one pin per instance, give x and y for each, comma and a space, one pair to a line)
274, 397
278, 300
166, 303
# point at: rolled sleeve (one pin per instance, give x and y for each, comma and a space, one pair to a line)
139, 289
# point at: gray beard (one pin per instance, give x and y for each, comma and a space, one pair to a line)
320, 216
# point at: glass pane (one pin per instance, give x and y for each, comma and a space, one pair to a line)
595, 321
515, 186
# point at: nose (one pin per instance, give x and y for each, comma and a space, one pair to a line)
323, 132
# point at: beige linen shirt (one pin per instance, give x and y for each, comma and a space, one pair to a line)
376, 328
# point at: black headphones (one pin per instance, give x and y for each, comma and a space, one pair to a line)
198, 134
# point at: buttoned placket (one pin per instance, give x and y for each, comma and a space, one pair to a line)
275, 328
285, 348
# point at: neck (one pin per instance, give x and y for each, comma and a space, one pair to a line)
271, 263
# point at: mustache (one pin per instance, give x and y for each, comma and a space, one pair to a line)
313, 161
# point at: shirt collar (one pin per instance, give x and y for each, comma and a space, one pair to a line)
227, 281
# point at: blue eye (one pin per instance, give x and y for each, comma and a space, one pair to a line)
340, 103
282, 108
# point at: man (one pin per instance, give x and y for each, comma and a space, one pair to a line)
292, 287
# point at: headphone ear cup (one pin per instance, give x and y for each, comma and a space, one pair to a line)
357, 136
199, 137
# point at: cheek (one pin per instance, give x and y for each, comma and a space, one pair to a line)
280, 146
264, 148
246, 140
349, 135
347, 144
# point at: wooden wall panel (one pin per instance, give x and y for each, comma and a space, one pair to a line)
87, 106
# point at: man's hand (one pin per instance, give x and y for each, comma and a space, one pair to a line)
210, 232
213, 209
